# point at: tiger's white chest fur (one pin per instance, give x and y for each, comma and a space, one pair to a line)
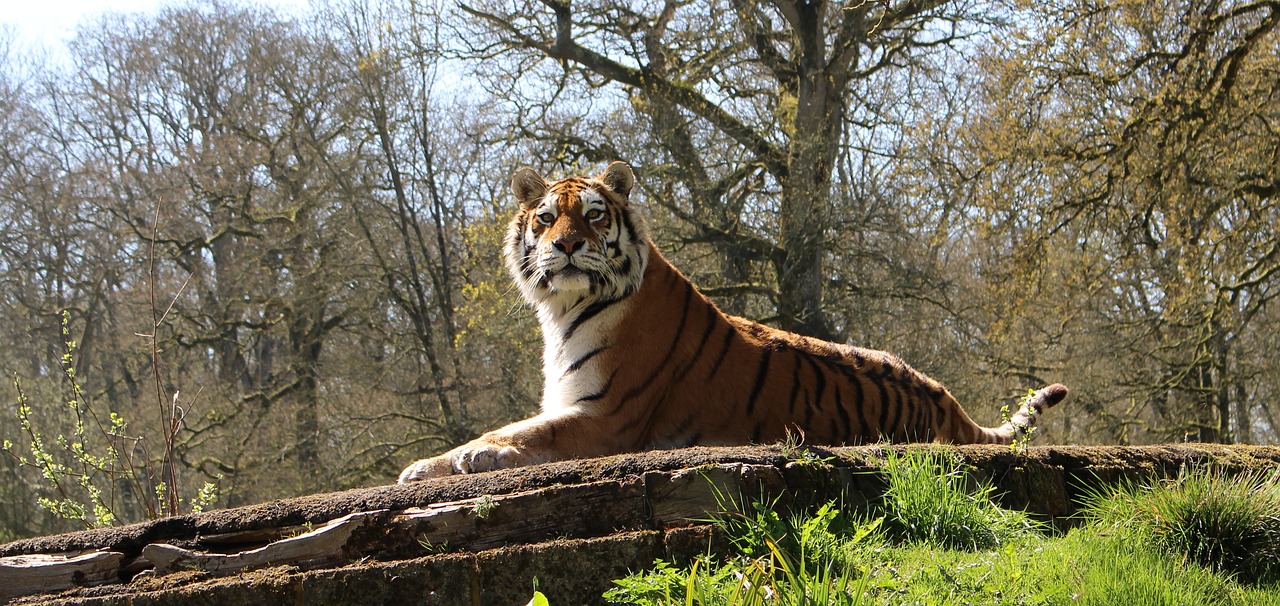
571, 362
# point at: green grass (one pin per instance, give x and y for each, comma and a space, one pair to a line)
934, 539
928, 500
1086, 566
1230, 524
784, 560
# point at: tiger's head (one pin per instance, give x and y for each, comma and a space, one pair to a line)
576, 241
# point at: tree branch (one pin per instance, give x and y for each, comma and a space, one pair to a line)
565, 48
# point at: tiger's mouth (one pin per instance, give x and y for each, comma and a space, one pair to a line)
559, 266
582, 263
570, 269
569, 278
582, 273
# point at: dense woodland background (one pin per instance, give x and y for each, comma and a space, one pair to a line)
275, 238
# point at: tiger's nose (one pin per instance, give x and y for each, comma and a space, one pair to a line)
568, 245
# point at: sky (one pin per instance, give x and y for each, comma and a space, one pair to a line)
50, 23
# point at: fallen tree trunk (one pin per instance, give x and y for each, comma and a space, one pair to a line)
482, 539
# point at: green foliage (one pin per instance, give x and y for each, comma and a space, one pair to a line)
1089, 565
1116, 570
91, 476
483, 506
1020, 443
1226, 523
1123, 556
780, 559
667, 583
752, 525
928, 500
71, 466
762, 531
823, 557
205, 498
773, 579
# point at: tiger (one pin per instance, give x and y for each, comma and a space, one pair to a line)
636, 358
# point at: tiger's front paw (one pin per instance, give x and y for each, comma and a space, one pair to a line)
426, 469
481, 456
472, 457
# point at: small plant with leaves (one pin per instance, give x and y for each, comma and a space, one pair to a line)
483, 506
749, 524
795, 450
538, 599
205, 498
431, 547
1024, 437
93, 473
76, 466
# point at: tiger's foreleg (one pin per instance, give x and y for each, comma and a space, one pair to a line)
546, 437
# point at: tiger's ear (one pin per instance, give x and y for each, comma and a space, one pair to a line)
619, 178
528, 187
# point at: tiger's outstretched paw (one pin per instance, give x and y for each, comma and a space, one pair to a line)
426, 469
473, 457
481, 456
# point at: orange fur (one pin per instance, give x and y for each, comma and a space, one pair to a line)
635, 358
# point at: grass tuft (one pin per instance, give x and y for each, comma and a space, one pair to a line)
1229, 524
929, 500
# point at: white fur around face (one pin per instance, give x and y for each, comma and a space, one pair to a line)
563, 292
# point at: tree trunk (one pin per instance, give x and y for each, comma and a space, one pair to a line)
806, 192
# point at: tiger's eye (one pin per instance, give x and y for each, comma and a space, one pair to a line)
546, 218
595, 214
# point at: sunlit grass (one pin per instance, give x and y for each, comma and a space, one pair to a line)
928, 499
784, 560
1229, 523
933, 539
1086, 566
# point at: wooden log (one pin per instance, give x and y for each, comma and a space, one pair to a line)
259, 536
580, 510
685, 496
324, 545
658, 500
46, 573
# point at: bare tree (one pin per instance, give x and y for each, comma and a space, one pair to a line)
1133, 174
745, 99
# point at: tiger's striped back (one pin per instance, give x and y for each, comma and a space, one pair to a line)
636, 358
675, 372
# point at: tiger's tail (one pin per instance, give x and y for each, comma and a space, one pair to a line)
1022, 422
